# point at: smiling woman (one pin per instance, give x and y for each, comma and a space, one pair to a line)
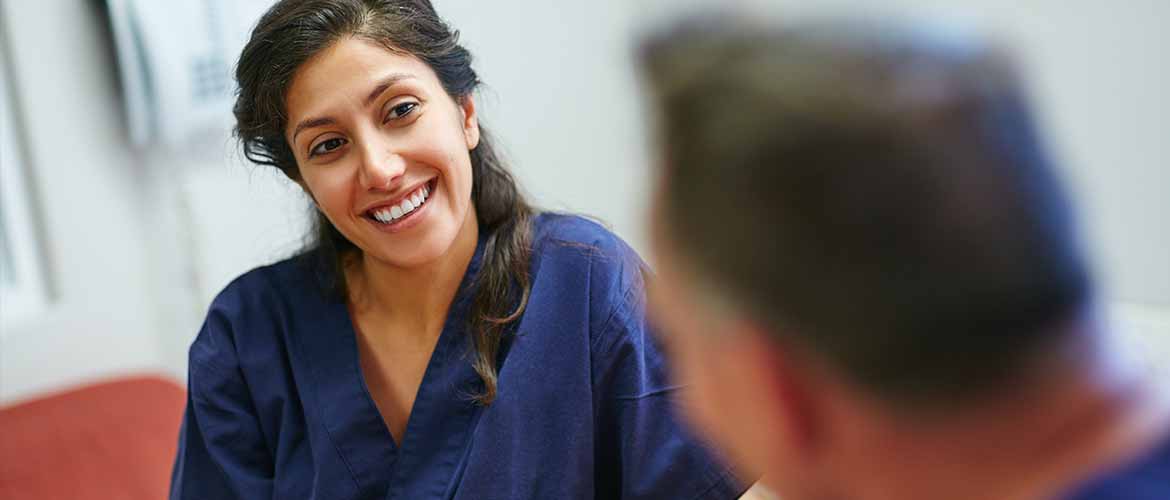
374, 129
439, 338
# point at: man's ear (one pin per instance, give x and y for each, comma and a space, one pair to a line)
785, 399
470, 121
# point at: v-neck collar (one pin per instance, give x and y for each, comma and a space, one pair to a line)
439, 421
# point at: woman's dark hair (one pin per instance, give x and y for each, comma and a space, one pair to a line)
290, 33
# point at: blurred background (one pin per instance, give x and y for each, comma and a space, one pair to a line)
127, 206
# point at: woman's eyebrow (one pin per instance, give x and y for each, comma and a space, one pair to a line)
385, 83
310, 123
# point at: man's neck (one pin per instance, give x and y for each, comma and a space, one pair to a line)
1086, 414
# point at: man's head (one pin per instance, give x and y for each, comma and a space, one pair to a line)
851, 212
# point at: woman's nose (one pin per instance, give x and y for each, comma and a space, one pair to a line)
381, 167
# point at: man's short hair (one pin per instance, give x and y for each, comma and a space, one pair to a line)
876, 194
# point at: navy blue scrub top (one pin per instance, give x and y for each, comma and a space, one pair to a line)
1147, 478
277, 406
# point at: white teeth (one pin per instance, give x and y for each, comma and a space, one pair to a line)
408, 205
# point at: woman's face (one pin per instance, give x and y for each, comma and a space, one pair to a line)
383, 150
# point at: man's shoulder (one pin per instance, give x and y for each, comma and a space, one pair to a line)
1147, 478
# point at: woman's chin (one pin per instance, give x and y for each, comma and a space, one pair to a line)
416, 252
416, 256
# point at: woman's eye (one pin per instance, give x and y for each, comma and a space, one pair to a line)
401, 110
327, 146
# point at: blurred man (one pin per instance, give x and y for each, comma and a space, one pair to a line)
870, 276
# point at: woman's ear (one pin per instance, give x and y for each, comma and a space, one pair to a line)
470, 121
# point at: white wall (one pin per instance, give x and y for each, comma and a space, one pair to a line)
139, 241
100, 320
561, 93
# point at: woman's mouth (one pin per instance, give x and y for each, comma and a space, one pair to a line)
392, 214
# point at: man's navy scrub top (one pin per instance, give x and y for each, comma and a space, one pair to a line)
277, 406
1146, 478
